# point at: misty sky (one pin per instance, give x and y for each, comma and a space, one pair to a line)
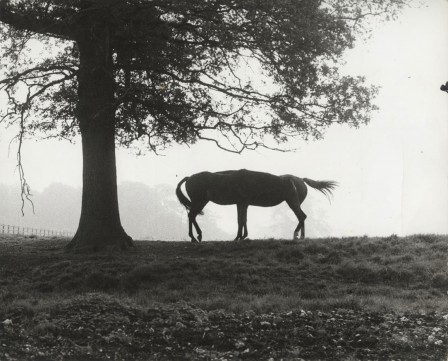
393, 173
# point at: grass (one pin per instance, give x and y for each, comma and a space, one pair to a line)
383, 274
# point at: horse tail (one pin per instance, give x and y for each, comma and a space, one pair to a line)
182, 199
326, 187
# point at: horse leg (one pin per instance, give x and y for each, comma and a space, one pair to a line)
295, 196
301, 216
192, 222
242, 222
198, 229
239, 209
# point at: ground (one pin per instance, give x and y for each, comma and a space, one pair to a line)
318, 299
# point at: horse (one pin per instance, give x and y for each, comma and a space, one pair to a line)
246, 188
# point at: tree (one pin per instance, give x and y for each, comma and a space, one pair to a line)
155, 72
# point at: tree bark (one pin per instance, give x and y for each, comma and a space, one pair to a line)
100, 225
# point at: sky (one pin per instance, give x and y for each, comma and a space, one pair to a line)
392, 173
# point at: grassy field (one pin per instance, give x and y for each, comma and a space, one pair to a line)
317, 299
396, 274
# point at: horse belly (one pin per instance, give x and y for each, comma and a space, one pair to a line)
269, 201
223, 198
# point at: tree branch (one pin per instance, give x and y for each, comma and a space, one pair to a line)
31, 21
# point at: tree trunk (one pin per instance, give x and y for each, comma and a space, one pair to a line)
99, 226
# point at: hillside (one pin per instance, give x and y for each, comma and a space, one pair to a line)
349, 299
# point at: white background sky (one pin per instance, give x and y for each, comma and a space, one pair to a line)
393, 173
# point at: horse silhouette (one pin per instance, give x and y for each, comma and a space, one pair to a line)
246, 188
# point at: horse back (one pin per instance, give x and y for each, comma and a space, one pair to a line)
249, 187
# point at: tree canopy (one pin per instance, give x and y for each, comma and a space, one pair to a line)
232, 72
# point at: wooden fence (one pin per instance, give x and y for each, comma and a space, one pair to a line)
8, 229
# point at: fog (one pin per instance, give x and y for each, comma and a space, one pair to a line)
150, 213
